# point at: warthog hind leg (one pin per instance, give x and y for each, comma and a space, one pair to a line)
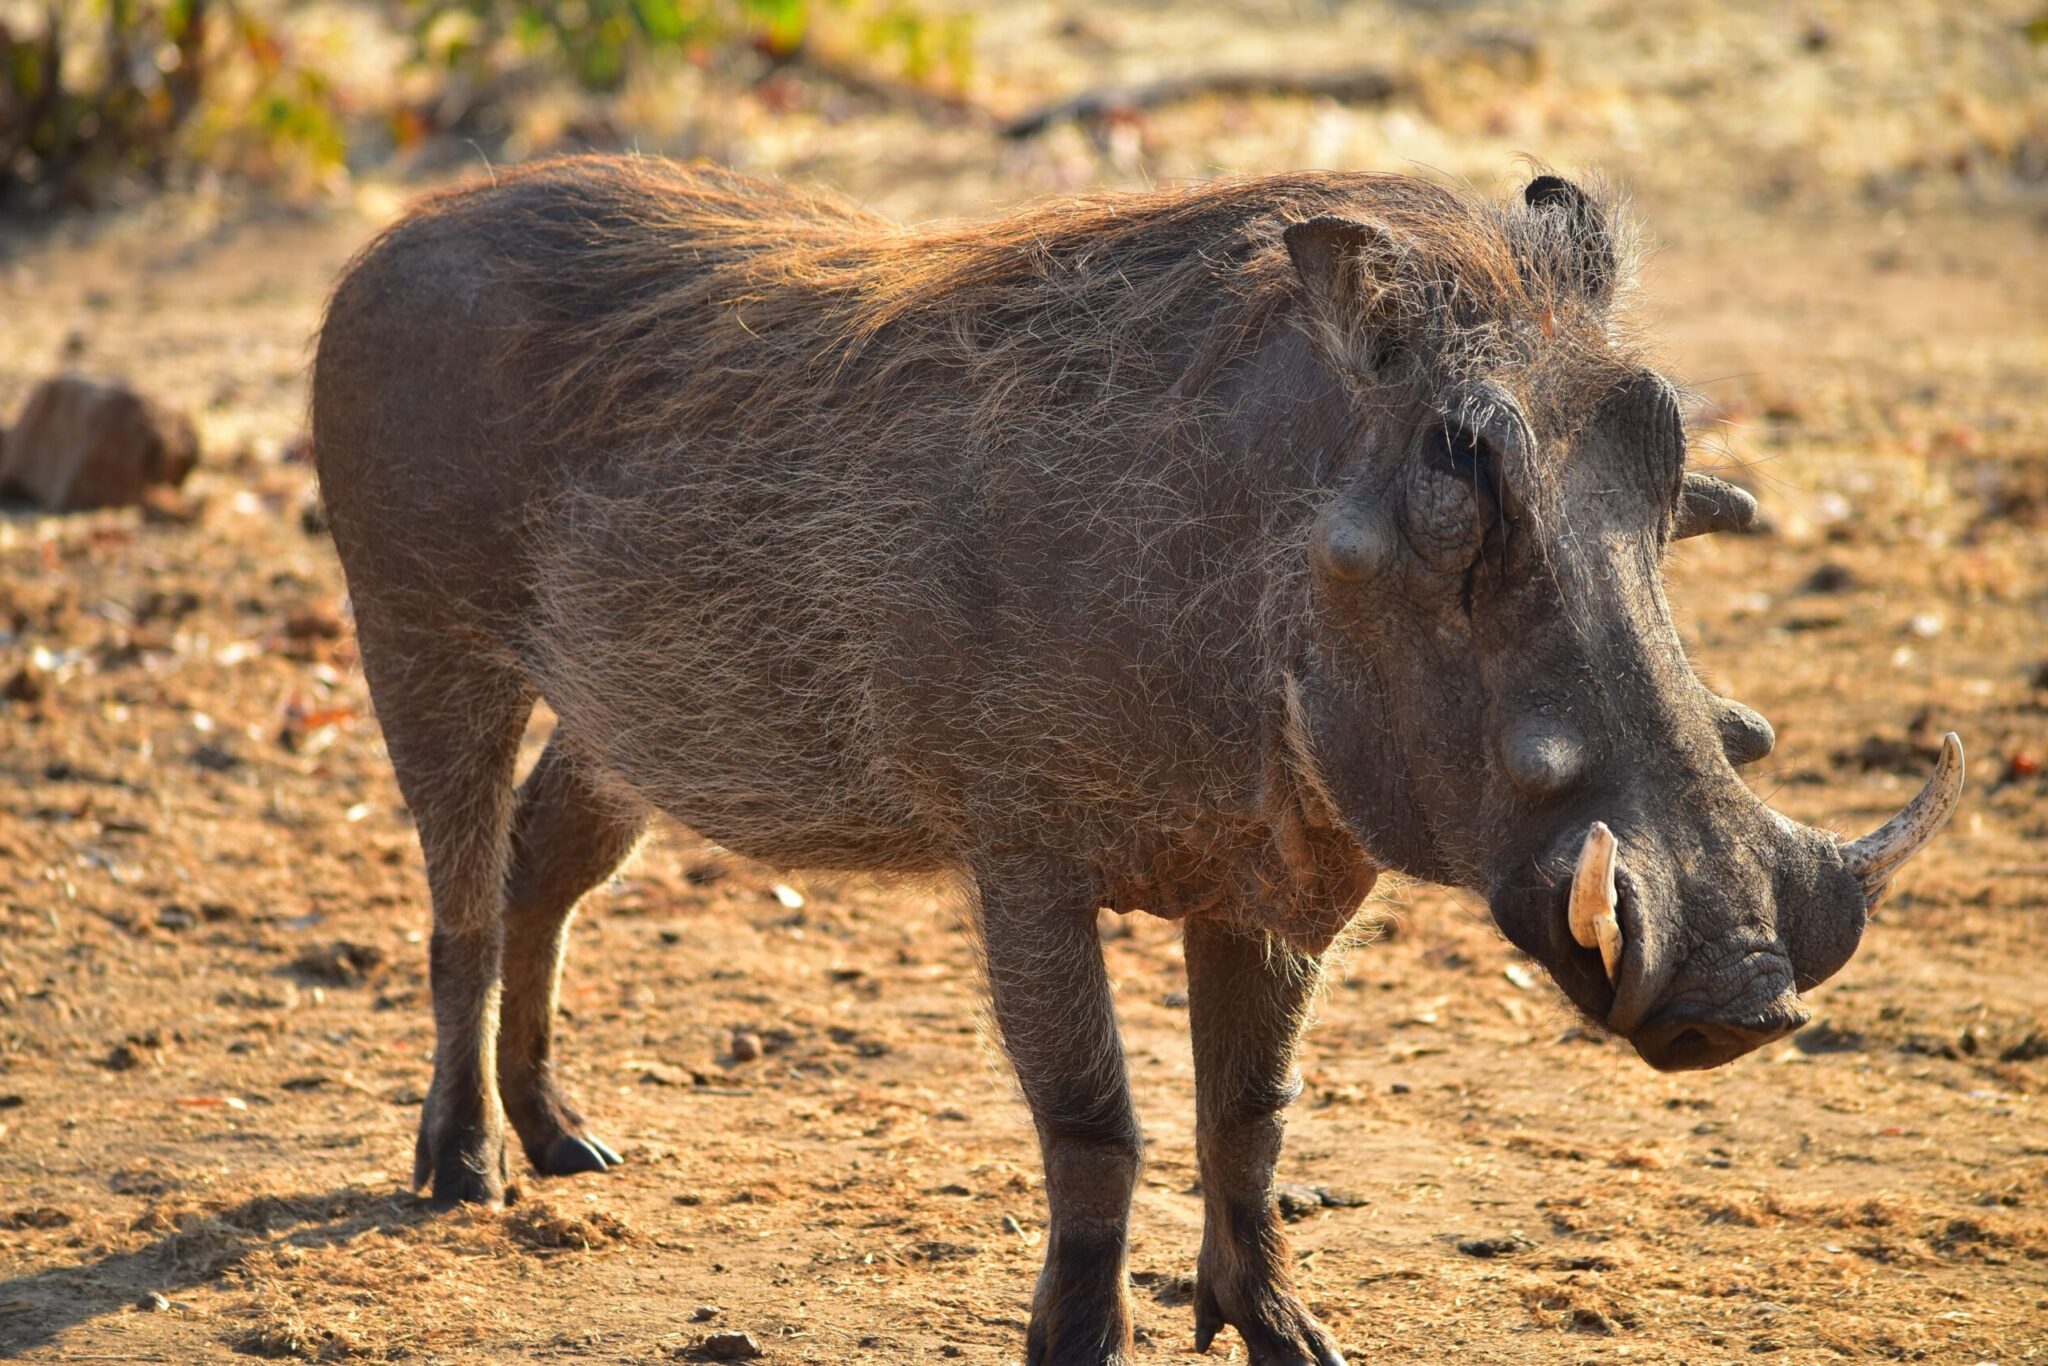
566, 838
1248, 998
452, 716
1052, 1005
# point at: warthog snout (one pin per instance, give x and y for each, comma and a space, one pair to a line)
1692, 933
1727, 998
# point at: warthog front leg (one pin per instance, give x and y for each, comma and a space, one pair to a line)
1052, 1005
1248, 998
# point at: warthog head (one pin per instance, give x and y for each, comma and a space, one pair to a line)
1493, 693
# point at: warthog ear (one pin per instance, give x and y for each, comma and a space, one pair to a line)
1708, 504
1584, 243
1349, 270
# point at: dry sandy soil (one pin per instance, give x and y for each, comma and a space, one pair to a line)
213, 1027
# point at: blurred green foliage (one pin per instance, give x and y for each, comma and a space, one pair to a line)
106, 89
597, 42
103, 92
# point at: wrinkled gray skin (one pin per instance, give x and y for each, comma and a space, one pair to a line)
1472, 686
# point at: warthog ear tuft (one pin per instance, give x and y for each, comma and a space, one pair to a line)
1583, 242
1349, 270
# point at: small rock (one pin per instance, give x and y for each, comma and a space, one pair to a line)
25, 684
1170, 1288
2030, 1049
172, 916
127, 1056
80, 445
746, 1046
1505, 1246
340, 963
1175, 1000
216, 758
154, 1302
1829, 578
311, 631
704, 1313
730, 1346
665, 1074
1587, 1320
1297, 1202
36, 1216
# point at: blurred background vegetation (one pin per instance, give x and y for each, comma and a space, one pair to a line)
95, 93
1836, 103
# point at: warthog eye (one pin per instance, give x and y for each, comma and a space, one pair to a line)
1466, 450
1453, 498
1467, 454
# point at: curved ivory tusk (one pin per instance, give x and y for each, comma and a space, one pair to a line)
1708, 505
1593, 921
1879, 854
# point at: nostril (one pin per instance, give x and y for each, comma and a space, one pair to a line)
1686, 1046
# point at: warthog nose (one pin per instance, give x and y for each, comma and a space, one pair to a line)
1682, 1042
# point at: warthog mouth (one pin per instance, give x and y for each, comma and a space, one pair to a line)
1753, 1003
1679, 1040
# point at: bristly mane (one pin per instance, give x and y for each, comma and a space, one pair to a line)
688, 298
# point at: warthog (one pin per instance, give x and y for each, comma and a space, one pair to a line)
1201, 551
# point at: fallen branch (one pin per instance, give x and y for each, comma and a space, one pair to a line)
931, 104
1359, 85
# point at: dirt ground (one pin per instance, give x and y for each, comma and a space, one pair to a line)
213, 1025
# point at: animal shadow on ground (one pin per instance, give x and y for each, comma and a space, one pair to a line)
195, 1245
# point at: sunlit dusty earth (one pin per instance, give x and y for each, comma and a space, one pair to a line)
213, 1025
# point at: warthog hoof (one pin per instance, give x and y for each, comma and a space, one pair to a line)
1081, 1317
1276, 1327
551, 1130
571, 1154
465, 1164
